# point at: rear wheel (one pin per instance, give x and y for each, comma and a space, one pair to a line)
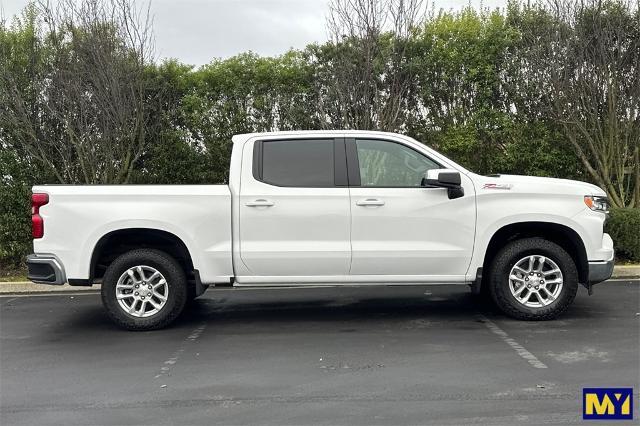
533, 279
144, 289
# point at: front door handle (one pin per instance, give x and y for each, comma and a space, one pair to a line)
260, 202
370, 202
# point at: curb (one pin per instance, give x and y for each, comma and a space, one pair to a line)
626, 271
619, 272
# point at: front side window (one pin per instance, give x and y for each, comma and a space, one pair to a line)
390, 164
301, 163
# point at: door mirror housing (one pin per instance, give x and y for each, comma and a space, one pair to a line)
444, 178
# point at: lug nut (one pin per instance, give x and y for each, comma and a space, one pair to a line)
142, 297
149, 287
526, 278
539, 275
537, 287
137, 285
137, 293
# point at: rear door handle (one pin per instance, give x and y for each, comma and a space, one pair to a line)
260, 202
370, 202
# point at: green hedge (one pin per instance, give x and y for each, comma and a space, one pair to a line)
15, 211
624, 227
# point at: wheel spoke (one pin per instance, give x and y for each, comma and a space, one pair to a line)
141, 273
143, 307
516, 278
532, 260
132, 308
551, 272
524, 297
159, 296
539, 298
155, 275
519, 290
550, 297
541, 261
159, 283
154, 304
132, 276
124, 296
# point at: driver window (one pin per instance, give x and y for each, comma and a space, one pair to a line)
390, 164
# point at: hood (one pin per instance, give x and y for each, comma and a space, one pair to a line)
518, 183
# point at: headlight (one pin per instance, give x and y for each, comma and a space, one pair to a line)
597, 203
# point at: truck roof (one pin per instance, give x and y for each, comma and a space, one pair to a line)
240, 138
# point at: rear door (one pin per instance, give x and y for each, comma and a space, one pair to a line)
400, 228
295, 211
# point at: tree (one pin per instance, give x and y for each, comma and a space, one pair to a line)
585, 64
363, 75
82, 115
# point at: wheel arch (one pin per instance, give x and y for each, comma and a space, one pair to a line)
562, 235
116, 242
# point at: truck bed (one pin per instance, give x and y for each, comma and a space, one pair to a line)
76, 217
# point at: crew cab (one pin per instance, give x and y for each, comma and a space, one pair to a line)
332, 208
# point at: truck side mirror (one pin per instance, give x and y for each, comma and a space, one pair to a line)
444, 178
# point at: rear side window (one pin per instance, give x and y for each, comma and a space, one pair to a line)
301, 163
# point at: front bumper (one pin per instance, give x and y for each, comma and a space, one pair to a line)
600, 271
45, 269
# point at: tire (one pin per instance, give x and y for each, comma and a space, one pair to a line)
138, 268
541, 298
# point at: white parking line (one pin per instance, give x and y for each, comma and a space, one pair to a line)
166, 368
520, 350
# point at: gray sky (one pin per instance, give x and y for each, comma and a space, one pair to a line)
196, 31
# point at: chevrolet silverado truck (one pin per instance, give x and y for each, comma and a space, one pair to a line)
331, 208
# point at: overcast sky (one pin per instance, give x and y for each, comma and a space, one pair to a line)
195, 31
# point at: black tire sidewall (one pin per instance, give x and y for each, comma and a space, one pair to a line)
167, 266
508, 257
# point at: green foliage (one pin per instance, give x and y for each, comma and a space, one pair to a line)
15, 219
624, 227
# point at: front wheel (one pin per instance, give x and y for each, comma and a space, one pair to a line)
533, 279
144, 289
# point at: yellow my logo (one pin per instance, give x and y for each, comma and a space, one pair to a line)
606, 406
603, 403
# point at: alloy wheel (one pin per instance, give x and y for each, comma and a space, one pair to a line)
535, 281
142, 291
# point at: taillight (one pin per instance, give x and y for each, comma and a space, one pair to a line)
37, 222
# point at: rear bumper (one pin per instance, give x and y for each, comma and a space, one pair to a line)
45, 269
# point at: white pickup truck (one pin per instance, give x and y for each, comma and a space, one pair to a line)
334, 208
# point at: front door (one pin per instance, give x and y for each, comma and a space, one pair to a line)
400, 228
294, 211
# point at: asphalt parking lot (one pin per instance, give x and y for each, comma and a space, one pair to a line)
389, 355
